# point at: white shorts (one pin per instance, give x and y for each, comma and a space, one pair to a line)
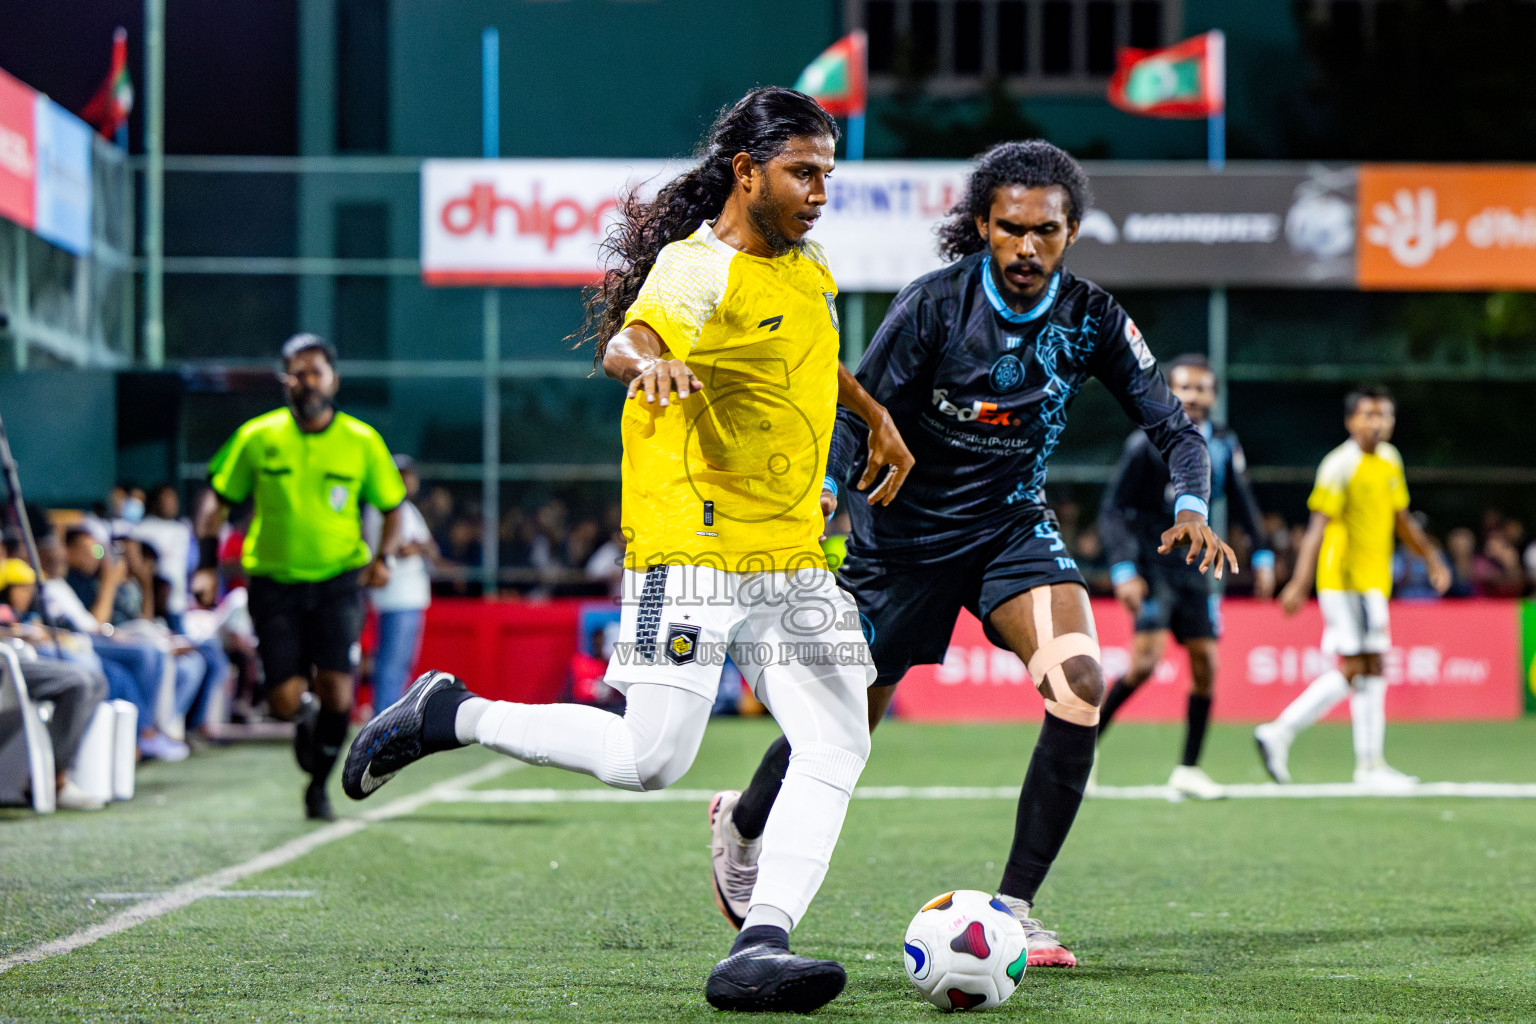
1354, 622
678, 624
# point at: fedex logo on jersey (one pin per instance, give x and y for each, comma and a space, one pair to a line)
978, 411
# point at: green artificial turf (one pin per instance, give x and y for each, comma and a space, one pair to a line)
1383, 910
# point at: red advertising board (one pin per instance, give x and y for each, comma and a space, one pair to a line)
18, 152
1449, 660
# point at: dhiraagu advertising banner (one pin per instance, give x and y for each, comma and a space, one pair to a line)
1528, 654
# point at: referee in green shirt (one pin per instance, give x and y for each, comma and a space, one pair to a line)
306, 469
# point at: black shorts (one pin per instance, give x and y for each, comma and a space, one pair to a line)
1182, 600
307, 626
909, 603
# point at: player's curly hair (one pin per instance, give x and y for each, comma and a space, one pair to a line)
1033, 164
760, 124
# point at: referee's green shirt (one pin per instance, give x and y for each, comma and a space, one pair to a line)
306, 489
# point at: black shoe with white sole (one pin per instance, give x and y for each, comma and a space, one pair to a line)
769, 979
394, 738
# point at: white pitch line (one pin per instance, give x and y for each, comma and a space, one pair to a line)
227, 894
1268, 791
208, 885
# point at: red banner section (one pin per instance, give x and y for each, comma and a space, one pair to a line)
18, 151
504, 650
1449, 660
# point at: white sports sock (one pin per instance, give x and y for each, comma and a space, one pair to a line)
467, 718
1368, 719
570, 736
761, 913
1315, 701
803, 827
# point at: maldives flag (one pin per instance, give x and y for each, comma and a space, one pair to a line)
1187, 79
838, 79
110, 106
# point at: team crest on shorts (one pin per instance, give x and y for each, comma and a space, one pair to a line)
682, 643
831, 298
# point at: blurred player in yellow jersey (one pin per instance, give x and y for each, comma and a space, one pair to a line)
1359, 505
719, 318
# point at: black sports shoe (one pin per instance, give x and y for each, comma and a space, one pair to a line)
317, 805
304, 724
393, 739
766, 979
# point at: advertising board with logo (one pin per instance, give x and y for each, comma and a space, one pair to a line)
1447, 228
45, 167
541, 222
1450, 660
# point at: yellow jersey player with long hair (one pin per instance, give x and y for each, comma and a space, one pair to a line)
718, 315
1359, 505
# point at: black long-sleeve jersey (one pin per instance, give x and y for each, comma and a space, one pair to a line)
1138, 501
980, 394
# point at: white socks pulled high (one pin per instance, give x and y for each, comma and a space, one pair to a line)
1368, 717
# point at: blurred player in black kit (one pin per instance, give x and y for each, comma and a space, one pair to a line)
1163, 594
977, 363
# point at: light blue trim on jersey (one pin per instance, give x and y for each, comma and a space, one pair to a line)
828, 484
1262, 559
1122, 572
1004, 310
1193, 504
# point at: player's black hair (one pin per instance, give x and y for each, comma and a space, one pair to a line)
74, 533
760, 124
308, 343
1033, 164
1191, 359
1354, 398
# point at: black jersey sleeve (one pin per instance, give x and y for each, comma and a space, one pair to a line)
895, 372
1242, 505
1127, 367
1120, 498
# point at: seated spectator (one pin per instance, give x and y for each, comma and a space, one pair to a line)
202, 667
133, 667
100, 579
171, 537
1496, 571
1461, 549
74, 690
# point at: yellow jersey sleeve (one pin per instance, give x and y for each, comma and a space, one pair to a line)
230, 473
1331, 487
1398, 483
682, 293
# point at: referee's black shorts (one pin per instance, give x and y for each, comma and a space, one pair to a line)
304, 627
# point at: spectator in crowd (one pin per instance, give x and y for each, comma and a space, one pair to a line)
1461, 552
1410, 573
436, 508
171, 537
202, 667
133, 667
1092, 562
74, 690
1496, 571
401, 603
606, 564
99, 578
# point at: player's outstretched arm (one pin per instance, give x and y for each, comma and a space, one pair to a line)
633, 357
886, 448
1189, 527
1411, 534
1295, 593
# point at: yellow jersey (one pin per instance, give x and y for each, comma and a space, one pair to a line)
1361, 493
731, 476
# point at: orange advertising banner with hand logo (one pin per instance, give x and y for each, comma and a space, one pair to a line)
1447, 228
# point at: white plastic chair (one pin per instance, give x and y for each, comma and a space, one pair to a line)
26, 750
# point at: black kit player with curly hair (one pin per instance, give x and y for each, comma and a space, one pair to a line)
717, 314
977, 363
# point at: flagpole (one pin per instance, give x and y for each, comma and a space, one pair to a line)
154, 183
1216, 313
490, 387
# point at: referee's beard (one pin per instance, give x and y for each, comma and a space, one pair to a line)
308, 406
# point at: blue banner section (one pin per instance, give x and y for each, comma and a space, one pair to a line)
63, 210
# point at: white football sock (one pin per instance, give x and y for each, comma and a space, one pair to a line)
1315, 701
1368, 720
649, 748
803, 827
467, 719
762, 914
